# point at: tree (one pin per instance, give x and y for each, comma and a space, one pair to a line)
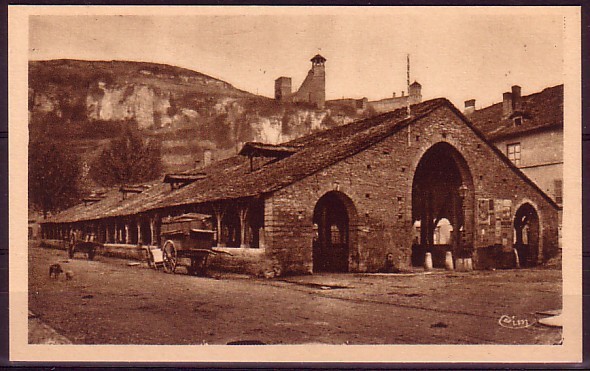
53, 176
127, 160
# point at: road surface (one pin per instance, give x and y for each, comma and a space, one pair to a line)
110, 302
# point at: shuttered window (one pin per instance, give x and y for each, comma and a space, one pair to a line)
513, 152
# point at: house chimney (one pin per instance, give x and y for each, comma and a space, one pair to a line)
394, 94
469, 107
516, 101
403, 92
207, 156
507, 104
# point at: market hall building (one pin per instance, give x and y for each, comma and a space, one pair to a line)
344, 200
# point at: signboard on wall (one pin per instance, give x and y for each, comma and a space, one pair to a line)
502, 220
483, 210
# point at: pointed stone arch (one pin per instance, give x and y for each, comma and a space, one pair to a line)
438, 175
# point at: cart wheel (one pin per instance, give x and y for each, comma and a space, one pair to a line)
169, 257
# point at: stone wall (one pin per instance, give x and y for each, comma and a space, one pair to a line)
378, 181
251, 261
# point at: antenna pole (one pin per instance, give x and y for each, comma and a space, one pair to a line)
408, 84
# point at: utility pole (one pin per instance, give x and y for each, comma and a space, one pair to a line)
408, 84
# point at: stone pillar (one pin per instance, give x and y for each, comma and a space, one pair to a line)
261, 238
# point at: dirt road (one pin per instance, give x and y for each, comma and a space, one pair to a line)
109, 302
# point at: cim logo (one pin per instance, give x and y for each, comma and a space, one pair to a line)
516, 322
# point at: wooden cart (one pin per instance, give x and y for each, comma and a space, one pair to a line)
187, 240
85, 244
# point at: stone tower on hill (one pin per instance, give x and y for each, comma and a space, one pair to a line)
312, 90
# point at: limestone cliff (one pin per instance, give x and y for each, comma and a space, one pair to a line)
82, 102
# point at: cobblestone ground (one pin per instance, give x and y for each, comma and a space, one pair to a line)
110, 302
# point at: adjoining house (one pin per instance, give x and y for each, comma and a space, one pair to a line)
529, 131
345, 199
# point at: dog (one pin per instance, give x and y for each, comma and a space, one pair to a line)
55, 270
69, 275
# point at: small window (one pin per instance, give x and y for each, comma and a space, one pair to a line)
513, 153
518, 121
558, 190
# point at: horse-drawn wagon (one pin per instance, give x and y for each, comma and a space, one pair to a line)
187, 240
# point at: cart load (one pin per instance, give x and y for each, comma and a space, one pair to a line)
187, 240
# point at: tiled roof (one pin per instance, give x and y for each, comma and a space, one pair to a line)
540, 111
271, 150
232, 178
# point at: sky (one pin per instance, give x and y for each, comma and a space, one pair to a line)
455, 53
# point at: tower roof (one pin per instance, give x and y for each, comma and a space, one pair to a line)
416, 83
318, 59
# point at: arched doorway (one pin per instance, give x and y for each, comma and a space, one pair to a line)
332, 232
442, 188
526, 235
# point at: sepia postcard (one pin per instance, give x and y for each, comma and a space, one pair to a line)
295, 184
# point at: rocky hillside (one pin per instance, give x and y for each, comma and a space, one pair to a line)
84, 103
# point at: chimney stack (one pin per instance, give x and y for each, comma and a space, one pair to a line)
403, 93
516, 101
394, 94
469, 107
207, 157
507, 104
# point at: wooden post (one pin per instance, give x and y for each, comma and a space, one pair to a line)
219, 211
139, 238
153, 230
127, 236
107, 227
243, 210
